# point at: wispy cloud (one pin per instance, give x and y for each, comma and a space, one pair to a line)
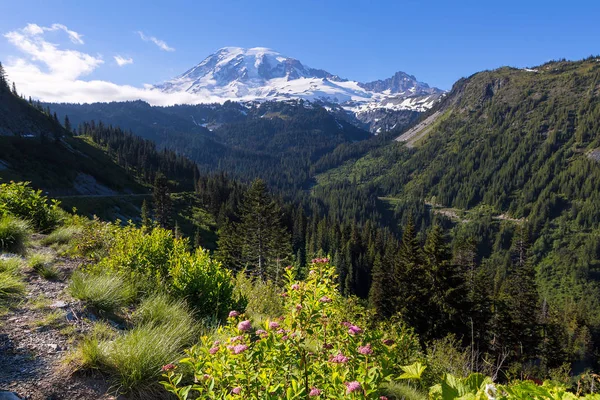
49, 73
69, 64
160, 43
121, 61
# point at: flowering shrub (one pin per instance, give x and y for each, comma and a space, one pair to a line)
312, 352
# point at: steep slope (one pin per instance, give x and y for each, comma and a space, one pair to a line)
507, 147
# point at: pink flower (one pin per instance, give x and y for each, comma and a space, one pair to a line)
237, 349
284, 338
312, 272
295, 286
366, 350
353, 330
338, 359
388, 342
244, 326
284, 294
325, 299
213, 350
347, 324
352, 386
383, 398
314, 392
236, 339
216, 342
298, 307
273, 325
236, 390
233, 314
168, 367
261, 332
289, 267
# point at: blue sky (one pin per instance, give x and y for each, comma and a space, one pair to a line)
438, 41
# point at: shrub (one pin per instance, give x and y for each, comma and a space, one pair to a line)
202, 281
312, 349
103, 292
95, 240
261, 299
24, 202
14, 234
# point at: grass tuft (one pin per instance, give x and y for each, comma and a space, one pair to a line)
63, 235
134, 358
12, 286
402, 391
14, 234
42, 264
103, 292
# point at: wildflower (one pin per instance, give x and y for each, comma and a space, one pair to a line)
238, 348
168, 367
236, 339
298, 307
327, 346
284, 338
366, 350
236, 390
216, 342
281, 331
388, 342
213, 350
261, 332
314, 392
206, 377
284, 294
295, 286
233, 314
325, 299
383, 398
312, 272
490, 391
273, 325
347, 324
353, 330
289, 267
352, 386
338, 359
244, 326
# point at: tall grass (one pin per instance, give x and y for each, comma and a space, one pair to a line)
12, 286
134, 358
14, 234
103, 292
63, 235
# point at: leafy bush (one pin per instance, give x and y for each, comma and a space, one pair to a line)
104, 292
24, 202
14, 234
261, 299
312, 351
96, 238
202, 281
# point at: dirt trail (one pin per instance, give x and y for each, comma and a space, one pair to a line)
37, 333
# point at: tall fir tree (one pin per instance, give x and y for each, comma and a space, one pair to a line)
162, 201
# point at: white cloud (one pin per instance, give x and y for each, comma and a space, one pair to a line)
160, 43
70, 64
121, 61
49, 73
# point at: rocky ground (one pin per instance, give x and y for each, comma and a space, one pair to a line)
36, 336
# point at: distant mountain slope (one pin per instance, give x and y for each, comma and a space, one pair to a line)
261, 74
278, 141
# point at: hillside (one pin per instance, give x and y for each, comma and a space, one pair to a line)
277, 141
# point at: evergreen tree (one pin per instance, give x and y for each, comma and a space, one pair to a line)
162, 201
3, 79
145, 216
14, 88
68, 126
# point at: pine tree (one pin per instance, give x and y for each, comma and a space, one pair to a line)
68, 126
3, 79
14, 88
162, 201
145, 217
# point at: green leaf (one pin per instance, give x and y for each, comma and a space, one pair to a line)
413, 371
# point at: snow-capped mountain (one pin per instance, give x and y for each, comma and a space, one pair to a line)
258, 74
